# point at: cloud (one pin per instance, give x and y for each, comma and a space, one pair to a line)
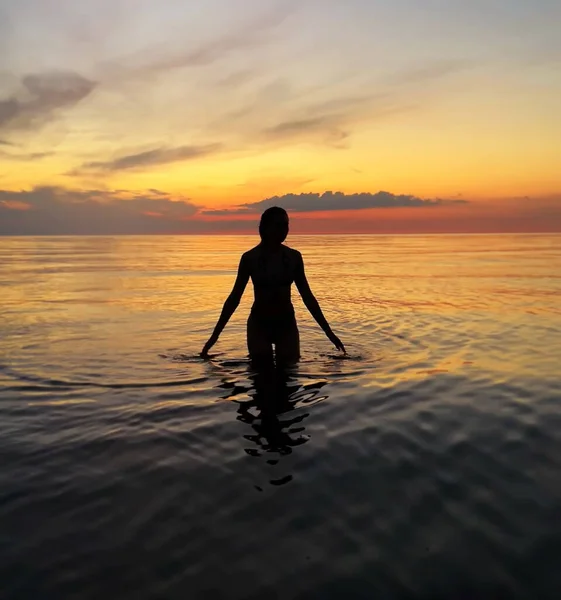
429, 71
279, 114
250, 35
328, 113
328, 201
41, 97
31, 156
326, 124
55, 210
149, 158
335, 116
236, 79
334, 126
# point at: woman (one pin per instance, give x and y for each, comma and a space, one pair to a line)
273, 267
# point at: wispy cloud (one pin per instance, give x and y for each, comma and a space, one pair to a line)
329, 201
254, 33
149, 158
336, 125
40, 97
237, 78
279, 113
429, 71
330, 127
29, 157
335, 116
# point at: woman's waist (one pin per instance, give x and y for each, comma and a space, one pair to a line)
268, 310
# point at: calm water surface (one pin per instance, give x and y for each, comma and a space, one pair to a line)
427, 464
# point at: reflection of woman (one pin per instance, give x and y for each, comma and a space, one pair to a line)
273, 267
273, 397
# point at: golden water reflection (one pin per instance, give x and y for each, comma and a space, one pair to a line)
425, 304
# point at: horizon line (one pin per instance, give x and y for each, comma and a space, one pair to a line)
256, 234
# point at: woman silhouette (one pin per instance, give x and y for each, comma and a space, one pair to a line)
273, 267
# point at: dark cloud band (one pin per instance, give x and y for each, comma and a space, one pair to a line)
329, 201
55, 211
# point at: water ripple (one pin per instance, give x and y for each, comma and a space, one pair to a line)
425, 464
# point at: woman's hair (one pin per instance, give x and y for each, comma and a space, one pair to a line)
269, 216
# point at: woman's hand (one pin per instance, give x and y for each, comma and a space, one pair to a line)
212, 340
336, 342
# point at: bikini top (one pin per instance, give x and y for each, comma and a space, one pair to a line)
275, 270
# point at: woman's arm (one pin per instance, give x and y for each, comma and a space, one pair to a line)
230, 305
313, 305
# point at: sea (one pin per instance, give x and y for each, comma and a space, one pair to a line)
426, 463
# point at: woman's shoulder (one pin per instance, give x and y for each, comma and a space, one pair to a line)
252, 252
249, 257
293, 258
291, 252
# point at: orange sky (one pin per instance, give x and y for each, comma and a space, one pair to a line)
107, 124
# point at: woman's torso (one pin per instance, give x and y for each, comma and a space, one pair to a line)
272, 273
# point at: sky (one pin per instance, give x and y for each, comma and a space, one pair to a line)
358, 116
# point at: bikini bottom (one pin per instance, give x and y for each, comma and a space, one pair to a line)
273, 327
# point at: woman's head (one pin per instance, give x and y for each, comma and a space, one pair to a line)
273, 227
